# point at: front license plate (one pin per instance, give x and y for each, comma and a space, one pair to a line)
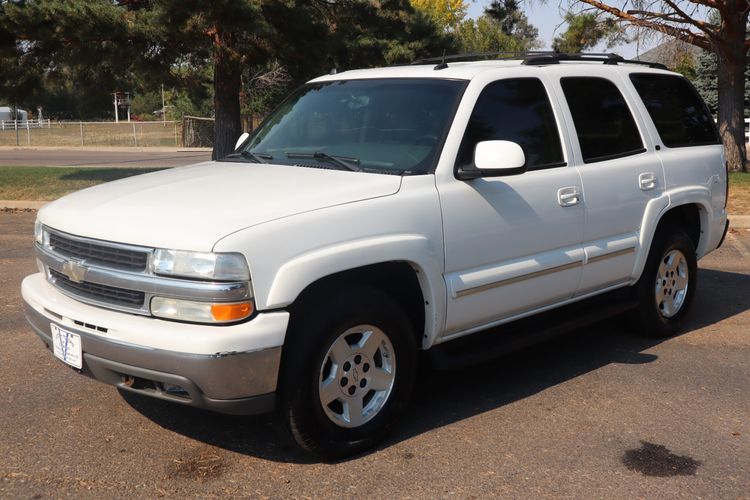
67, 346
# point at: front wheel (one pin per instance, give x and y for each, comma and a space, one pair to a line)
347, 371
667, 285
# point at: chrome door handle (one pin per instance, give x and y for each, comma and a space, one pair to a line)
647, 181
568, 196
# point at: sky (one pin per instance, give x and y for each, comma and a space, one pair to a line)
547, 16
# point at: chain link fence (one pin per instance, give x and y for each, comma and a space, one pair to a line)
191, 133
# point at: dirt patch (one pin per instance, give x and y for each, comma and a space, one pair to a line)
656, 460
8, 210
199, 465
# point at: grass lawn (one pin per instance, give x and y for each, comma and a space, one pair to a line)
50, 183
739, 193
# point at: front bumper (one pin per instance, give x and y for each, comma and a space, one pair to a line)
236, 382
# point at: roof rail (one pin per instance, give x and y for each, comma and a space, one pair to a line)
556, 57
538, 58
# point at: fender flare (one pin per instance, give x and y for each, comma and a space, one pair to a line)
658, 207
305, 269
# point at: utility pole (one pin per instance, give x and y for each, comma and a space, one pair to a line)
117, 117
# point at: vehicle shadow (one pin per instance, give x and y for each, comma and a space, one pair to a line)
445, 397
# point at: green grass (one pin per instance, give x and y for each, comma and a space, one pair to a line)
739, 179
739, 193
50, 183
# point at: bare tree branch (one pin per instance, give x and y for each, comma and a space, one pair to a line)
707, 28
683, 34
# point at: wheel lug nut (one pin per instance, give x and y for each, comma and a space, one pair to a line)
366, 367
344, 381
362, 382
352, 389
357, 359
347, 366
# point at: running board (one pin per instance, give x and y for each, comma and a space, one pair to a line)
498, 341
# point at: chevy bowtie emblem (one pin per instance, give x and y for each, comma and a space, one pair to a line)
74, 270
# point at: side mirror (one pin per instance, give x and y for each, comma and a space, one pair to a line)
495, 159
242, 139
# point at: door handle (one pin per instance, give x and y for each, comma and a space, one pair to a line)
647, 181
568, 196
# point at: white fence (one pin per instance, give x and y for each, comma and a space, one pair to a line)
21, 124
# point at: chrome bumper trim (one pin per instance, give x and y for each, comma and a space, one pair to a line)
220, 376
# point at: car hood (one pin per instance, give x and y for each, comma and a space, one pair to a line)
192, 207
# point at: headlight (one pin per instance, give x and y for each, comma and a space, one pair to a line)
201, 265
200, 312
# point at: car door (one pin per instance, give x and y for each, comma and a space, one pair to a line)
512, 243
620, 174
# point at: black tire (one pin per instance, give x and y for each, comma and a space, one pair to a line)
651, 316
313, 331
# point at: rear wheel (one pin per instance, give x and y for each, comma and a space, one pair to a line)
667, 285
347, 371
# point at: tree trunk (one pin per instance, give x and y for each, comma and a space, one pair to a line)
731, 66
227, 84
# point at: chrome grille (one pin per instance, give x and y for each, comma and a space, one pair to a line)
92, 253
100, 293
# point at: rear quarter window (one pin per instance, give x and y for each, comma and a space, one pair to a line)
679, 114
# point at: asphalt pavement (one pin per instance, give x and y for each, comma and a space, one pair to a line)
102, 157
597, 413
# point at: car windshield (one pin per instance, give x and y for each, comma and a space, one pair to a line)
391, 126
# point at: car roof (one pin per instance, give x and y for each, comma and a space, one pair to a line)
468, 70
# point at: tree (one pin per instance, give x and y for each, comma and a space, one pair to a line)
726, 37
486, 34
446, 14
586, 30
136, 45
506, 13
88, 46
706, 75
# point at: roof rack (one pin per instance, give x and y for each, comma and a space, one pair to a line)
536, 58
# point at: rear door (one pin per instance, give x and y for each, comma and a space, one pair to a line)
619, 171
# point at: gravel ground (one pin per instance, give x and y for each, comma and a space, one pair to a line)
597, 413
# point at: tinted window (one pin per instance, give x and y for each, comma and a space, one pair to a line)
680, 116
603, 122
515, 110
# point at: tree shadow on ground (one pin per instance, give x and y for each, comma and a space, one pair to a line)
444, 397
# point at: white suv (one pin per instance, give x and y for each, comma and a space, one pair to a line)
380, 212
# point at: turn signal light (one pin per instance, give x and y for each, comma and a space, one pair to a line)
231, 312
200, 312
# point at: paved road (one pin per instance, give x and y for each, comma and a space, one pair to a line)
101, 157
599, 413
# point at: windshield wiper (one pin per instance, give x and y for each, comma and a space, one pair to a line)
342, 161
249, 155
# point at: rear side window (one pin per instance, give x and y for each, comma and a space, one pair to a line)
604, 125
679, 114
517, 110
